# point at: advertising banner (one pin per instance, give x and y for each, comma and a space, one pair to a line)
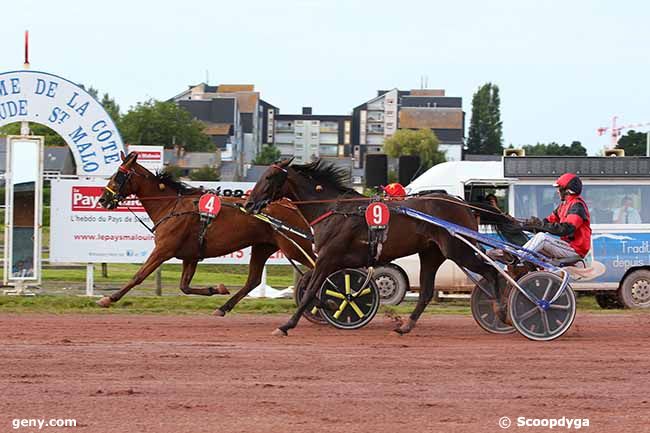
150, 157
82, 231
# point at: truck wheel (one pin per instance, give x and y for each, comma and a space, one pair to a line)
608, 301
635, 290
392, 284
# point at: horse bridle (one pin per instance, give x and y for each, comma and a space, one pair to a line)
120, 178
275, 183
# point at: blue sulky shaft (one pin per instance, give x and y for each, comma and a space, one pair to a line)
523, 254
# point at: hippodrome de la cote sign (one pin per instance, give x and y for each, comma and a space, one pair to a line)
70, 111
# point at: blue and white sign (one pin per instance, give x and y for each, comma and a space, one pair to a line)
31, 96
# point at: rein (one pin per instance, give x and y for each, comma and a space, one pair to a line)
368, 199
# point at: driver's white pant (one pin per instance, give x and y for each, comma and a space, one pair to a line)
550, 246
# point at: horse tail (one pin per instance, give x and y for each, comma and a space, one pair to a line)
505, 225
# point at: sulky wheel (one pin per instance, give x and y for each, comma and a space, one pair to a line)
542, 321
349, 299
312, 313
484, 306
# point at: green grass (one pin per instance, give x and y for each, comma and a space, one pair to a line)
184, 305
206, 275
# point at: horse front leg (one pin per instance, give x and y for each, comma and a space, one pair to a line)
260, 253
430, 261
320, 274
155, 259
189, 268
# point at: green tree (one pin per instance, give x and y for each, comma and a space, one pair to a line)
268, 155
554, 149
175, 171
164, 123
486, 129
421, 142
111, 107
634, 143
205, 173
51, 137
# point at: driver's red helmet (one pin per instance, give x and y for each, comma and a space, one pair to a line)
395, 190
569, 182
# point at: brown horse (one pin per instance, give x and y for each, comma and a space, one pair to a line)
341, 237
173, 210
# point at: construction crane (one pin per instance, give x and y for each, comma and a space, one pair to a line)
615, 131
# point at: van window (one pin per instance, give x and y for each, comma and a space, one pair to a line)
608, 204
535, 200
481, 193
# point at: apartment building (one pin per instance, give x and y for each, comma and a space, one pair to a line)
379, 118
235, 118
307, 136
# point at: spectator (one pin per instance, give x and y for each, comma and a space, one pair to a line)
627, 214
491, 199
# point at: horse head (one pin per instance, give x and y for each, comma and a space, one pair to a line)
119, 185
271, 186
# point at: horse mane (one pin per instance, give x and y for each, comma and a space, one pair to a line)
323, 171
167, 178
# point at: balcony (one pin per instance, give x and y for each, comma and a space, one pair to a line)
329, 129
283, 128
375, 129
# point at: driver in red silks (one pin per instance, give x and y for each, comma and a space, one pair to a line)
570, 221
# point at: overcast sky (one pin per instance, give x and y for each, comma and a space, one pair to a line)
563, 67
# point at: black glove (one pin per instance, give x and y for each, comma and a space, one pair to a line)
533, 223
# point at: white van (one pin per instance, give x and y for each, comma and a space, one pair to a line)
620, 245
470, 180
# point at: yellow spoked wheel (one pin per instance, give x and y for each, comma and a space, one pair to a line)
349, 299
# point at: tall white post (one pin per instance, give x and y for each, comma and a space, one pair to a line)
647, 143
263, 284
90, 279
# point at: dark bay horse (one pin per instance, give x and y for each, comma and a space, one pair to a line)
173, 210
341, 238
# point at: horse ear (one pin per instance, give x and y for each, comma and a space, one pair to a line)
122, 156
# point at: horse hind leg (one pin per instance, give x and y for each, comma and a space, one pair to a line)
189, 268
260, 253
430, 261
471, 261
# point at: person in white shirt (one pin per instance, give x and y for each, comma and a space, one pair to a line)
626, 214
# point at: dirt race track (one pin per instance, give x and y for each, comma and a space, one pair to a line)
126, 373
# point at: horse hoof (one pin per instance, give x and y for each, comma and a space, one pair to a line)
406, 328
219, 312
279, 333
105, 302
222, 290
